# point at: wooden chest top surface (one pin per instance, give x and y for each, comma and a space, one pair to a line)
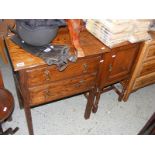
21, 59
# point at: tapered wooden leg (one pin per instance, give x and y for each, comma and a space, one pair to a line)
4, 58
120, 97
95, 106
20, 98
29, 119
90, 102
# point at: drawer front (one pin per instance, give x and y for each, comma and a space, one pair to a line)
144, 81
148, 67
44, 75
60, 89
151, 53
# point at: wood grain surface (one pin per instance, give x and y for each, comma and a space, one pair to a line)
21, 59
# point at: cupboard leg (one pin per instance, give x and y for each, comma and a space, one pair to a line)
120, 94
90, 102
120, 98
95, 107
125, 93
29, 119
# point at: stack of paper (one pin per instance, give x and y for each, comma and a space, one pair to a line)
113, 32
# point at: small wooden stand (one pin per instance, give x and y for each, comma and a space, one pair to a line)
6, 108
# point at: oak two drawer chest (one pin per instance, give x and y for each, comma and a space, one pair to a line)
37, 83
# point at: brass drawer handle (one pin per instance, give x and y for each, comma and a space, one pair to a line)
110, 67
81, 81
47, 75
85, 68
78, 84
47, 94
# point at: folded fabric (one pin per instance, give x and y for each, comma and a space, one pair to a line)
52, 54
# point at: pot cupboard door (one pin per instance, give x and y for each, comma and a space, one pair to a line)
122, 61
117, 64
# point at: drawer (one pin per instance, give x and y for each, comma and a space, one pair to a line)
144, 81
60, 89
151, 53
148, 67
44, 75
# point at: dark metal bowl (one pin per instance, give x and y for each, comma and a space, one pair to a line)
38, 36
